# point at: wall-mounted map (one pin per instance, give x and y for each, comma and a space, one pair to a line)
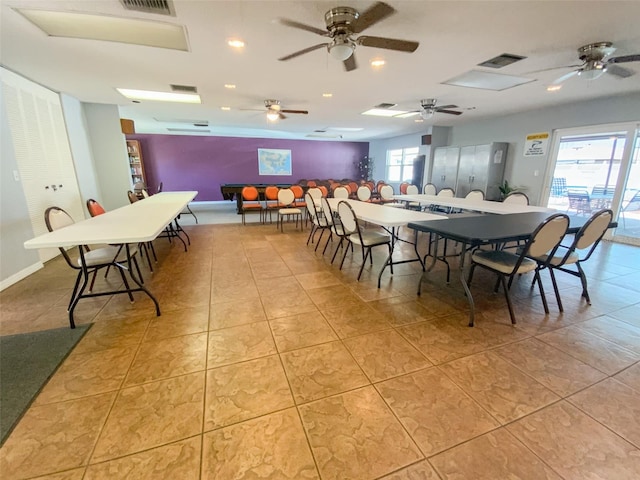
274, 162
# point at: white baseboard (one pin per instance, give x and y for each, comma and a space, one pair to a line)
16, 277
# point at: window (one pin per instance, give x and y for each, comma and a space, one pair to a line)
400, 164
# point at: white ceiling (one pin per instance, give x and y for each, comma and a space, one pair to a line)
454, 37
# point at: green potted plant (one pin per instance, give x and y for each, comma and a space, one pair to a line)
506, 189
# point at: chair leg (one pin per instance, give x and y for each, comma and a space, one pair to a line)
364, 262
583, 279
329, 239
337, 248
390, 259
75, 290
473, 267
508, 298
313, 230
344, 256
541, 288
126, 283
319, 239
555, 289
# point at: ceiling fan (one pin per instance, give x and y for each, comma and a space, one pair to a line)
342, 24
428, 108
275, 111
595, 63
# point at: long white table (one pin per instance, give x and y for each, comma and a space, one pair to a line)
138, 222
390, 219
485, 206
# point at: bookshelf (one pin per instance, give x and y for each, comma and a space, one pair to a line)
136, 164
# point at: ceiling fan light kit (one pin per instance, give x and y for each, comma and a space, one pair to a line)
342, 23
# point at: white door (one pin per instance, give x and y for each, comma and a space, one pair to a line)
42, 151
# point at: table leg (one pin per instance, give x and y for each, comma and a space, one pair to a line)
390, 262
433, 261
465, 285
138, 281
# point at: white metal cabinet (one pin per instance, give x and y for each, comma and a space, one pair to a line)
445, 167
481, 167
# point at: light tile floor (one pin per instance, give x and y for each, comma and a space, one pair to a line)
268, 362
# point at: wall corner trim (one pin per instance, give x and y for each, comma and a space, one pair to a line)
24, 273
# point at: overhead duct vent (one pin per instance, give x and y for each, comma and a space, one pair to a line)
501, 60
161, 7
385, 105
184, 88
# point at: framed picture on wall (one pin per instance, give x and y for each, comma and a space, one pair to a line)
274, 162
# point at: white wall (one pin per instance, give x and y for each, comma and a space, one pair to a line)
80, 148
521, 170
16, 262
109, 151
378, 151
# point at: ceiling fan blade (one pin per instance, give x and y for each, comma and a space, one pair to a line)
445, 107
625, 59
303, 112
302, 26
450, 112
388, 43
375, 13
564, 77
619, 71
350, 63
281, 116
553, 68
302, 52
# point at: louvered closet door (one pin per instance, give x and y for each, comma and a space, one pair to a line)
42, 151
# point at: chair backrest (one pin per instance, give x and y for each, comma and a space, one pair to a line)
347, 218
311, 208
341, 192
379, 185
138, 187
547, 236
133, 198
475, 195
364, 193
429, 189
271, 193
327, 211
518, 198
353, 187
446, 192
324, 190
297, 190
250, 193
95, 208
590, 234
145, 194
56, 218
412, 190
403, 188
311, 183
286, 196
386, 192
315, 192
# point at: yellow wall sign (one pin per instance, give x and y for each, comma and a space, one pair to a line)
536, 144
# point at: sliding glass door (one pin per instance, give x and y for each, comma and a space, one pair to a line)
597, 167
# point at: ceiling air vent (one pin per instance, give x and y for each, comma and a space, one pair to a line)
385, 105
184, 88
161, 7
501, 60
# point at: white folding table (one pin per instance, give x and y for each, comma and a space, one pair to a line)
484, 206
141, 221
390, 219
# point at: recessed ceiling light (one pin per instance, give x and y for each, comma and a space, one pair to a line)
377, 62
235, 43
327, 95
553, 88
381, 112
159, 96
229, 85
226, 109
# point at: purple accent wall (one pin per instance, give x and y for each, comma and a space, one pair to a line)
184, 162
